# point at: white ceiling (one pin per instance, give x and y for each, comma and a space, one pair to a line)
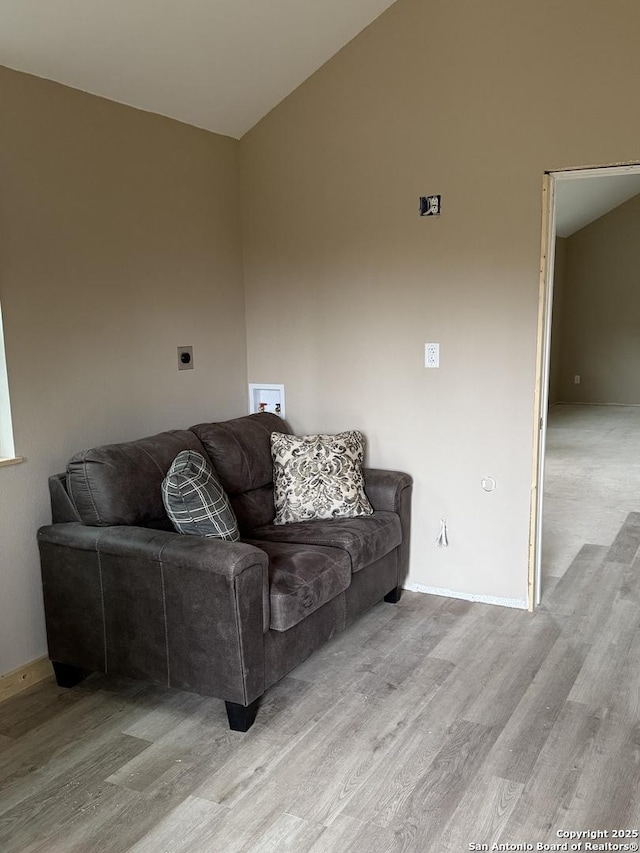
217, 64
581, 200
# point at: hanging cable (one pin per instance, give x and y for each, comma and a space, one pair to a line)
442, 540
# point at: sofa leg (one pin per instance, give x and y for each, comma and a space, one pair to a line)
67, 675
393, 597
241, 717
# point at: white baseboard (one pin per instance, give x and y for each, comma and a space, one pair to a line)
23, 677
581, 403
517, 603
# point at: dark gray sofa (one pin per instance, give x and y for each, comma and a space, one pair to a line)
126, 594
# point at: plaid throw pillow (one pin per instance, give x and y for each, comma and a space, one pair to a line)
195, 501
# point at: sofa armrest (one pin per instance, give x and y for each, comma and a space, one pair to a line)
197, 553
384, 488
187, 611
391, 491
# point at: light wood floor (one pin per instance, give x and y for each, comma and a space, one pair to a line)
431, 725
592, 472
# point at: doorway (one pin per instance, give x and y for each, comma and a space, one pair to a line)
572, 199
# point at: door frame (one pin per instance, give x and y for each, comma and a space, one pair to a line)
543, 354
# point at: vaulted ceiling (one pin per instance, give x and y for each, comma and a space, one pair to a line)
217, 64
579, 201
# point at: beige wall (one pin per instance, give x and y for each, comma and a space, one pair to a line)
120, 241
600, 329
345, 283
555, 368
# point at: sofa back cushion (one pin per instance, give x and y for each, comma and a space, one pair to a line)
121, 483
240, 452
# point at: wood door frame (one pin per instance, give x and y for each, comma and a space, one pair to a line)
543, 354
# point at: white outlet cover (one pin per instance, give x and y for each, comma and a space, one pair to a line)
432, 355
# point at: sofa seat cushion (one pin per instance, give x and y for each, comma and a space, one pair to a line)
301, 579
365, 539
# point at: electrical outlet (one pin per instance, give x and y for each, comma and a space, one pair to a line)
429, 205
185, 358
432, 355
576, 379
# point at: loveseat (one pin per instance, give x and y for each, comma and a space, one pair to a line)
126, 594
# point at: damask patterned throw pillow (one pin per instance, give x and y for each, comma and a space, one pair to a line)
195, 501
318, 476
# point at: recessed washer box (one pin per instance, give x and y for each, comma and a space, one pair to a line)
266, 397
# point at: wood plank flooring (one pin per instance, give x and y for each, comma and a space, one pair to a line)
431, 725
592, 470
